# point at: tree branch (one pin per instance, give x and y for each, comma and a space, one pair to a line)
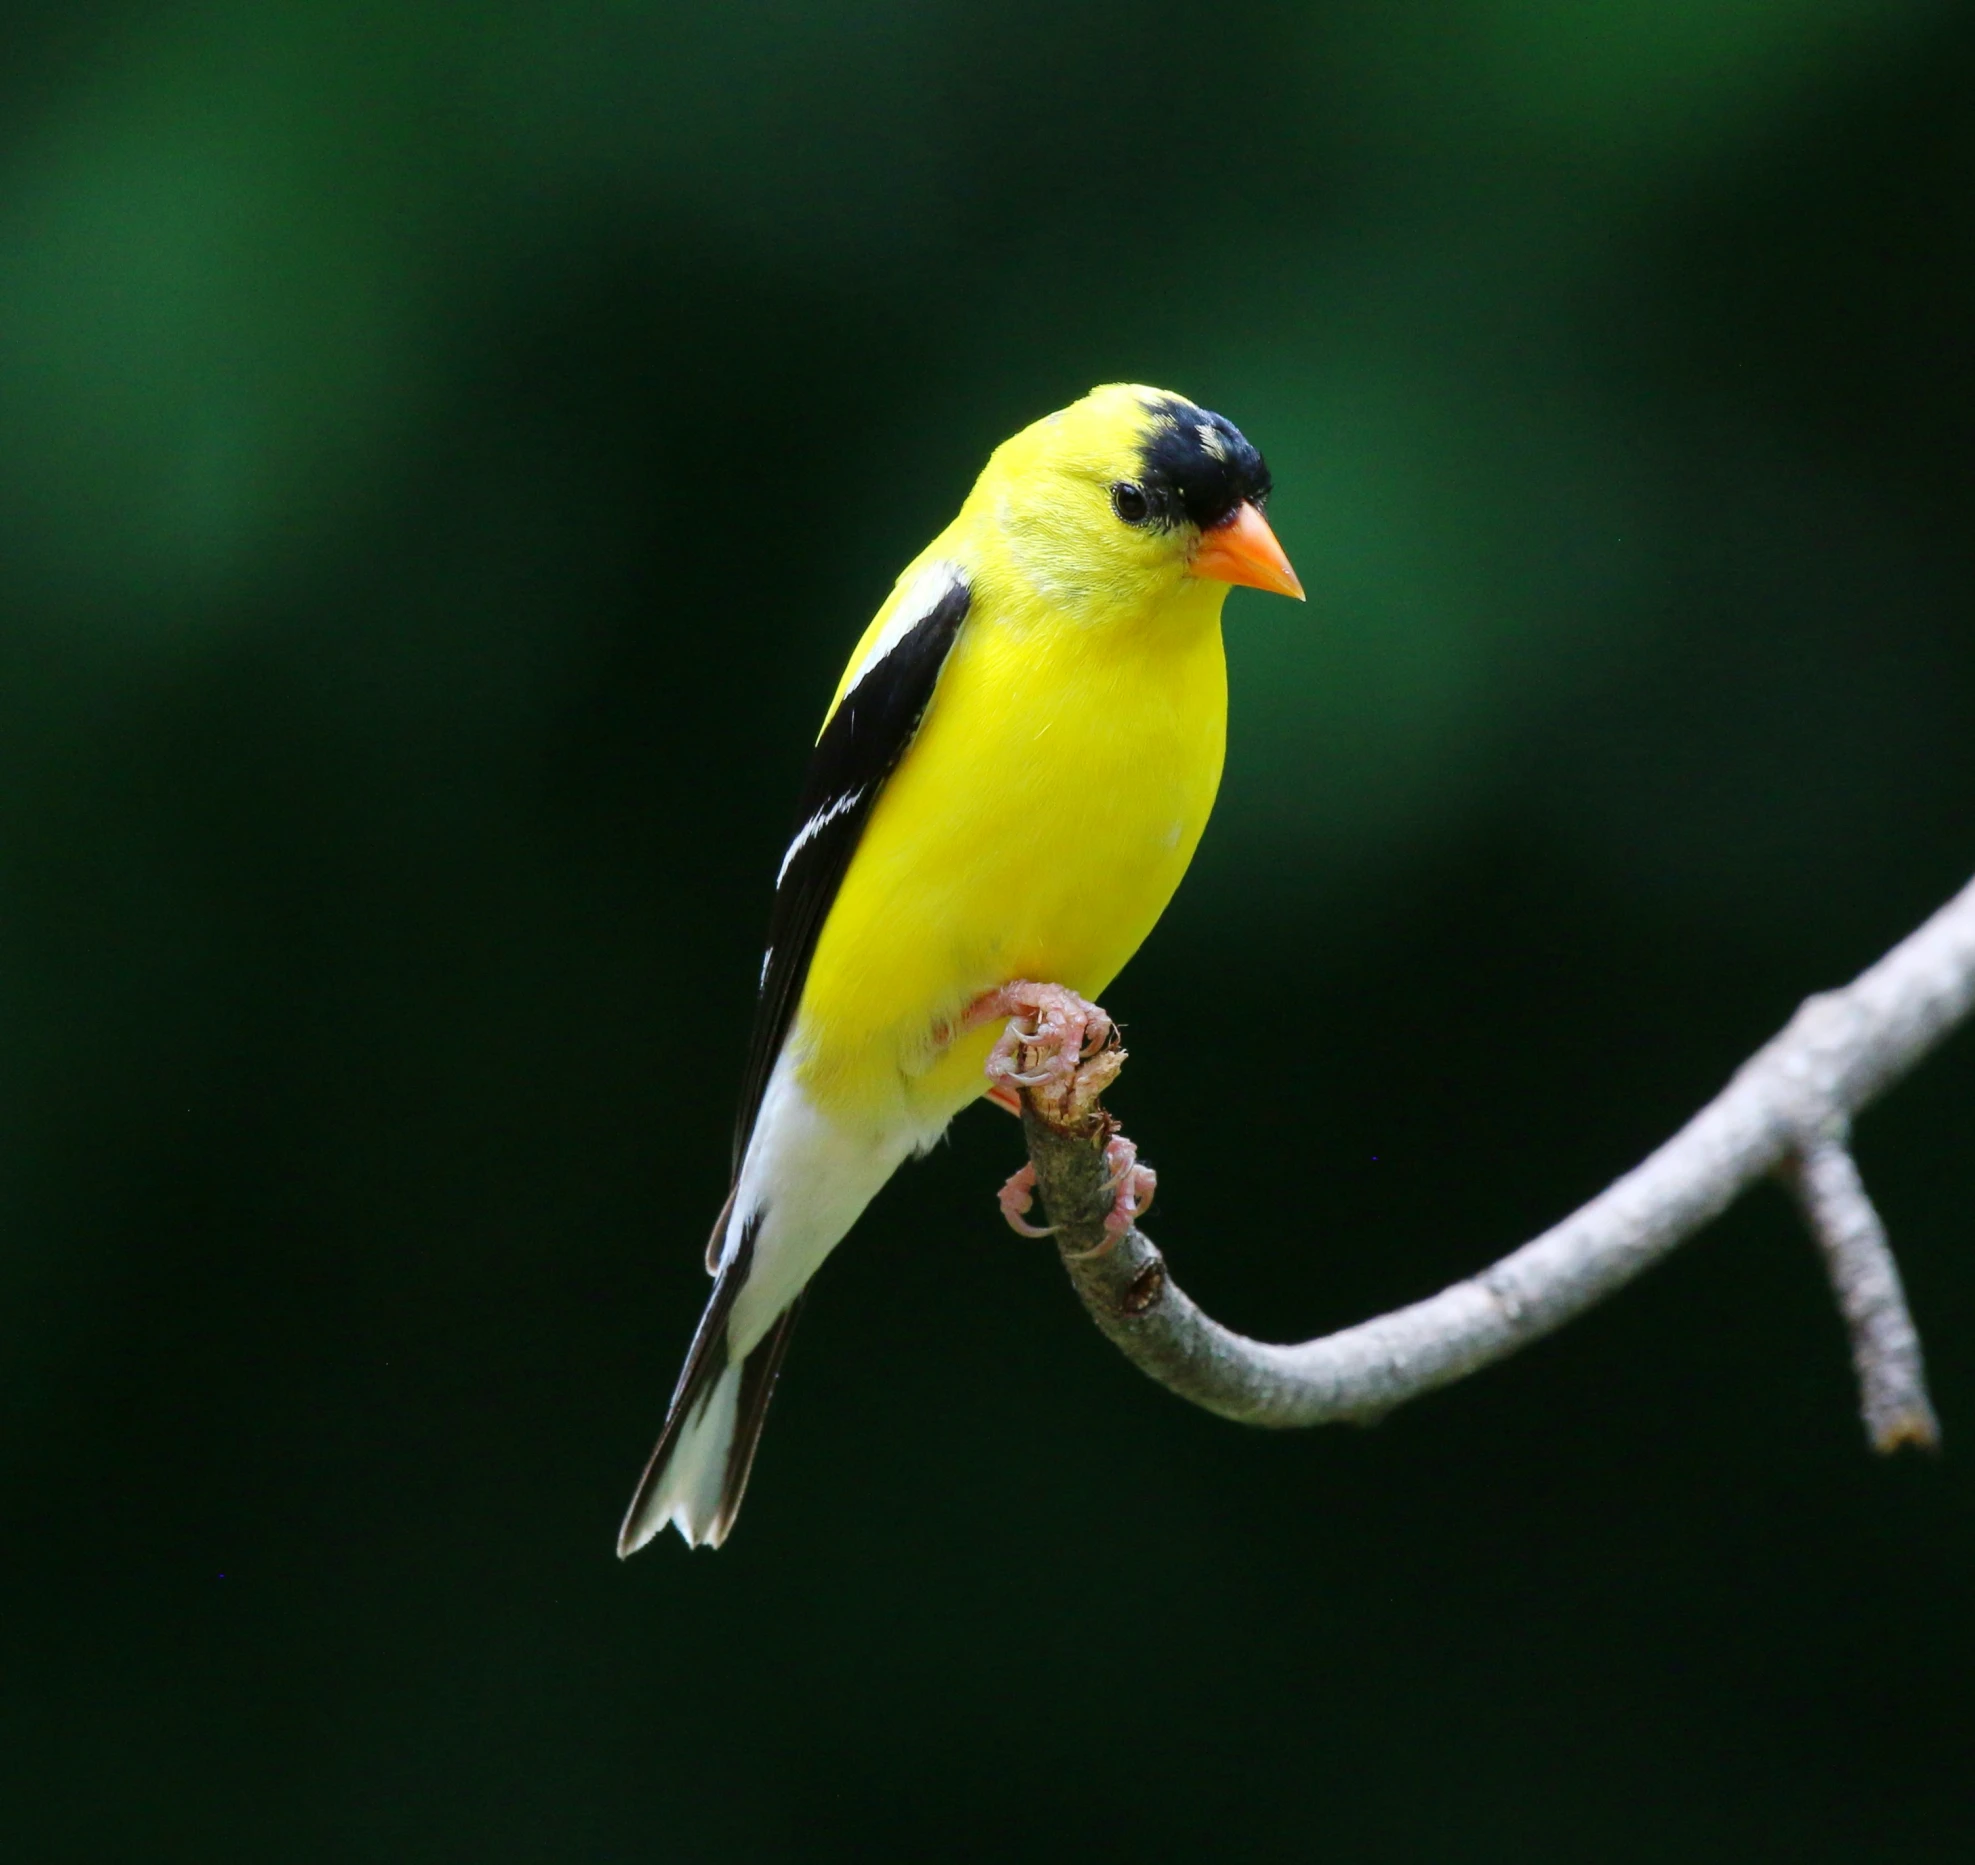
1787, 1111
1892, 1384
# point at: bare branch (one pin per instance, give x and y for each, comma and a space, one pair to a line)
1784, 1106
1892, 1384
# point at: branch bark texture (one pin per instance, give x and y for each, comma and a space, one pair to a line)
1787, 1112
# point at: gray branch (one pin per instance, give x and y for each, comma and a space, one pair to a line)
1892, 1384
1786, 1112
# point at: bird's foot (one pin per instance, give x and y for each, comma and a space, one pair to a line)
1059, 1048
1056, 1058
1018, 1198
1131, 1186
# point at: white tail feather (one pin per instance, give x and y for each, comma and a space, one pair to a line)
688, 1490
802, 1183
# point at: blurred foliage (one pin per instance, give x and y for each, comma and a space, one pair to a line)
448, 453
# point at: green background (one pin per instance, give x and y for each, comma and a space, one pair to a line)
445, 455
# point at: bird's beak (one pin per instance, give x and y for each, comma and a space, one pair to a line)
1242, 549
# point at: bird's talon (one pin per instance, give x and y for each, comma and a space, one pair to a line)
1054, 1041
1130, 1186
1017, 1197
1121, 1156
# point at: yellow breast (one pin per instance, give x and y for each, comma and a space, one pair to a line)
1036, 829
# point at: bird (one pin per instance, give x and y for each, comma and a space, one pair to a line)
1010, 781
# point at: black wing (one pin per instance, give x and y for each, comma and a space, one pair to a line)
860, 747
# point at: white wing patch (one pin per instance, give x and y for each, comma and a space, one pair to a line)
804, 836
918, 600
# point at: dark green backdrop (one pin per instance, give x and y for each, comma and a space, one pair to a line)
445, 454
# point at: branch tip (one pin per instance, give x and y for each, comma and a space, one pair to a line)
1892, 1378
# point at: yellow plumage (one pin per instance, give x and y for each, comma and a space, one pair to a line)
1012, 777
1055, 793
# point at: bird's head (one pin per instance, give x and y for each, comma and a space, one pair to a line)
1127, 493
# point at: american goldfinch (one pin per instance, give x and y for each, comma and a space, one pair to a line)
1009, 783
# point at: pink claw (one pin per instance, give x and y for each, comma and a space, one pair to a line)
1132, 1186
1054, 1041
1067, 1050
1017, 1199
1134, 1199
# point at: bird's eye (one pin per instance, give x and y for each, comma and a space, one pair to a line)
1129, 502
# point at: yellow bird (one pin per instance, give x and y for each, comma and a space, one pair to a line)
1011, 779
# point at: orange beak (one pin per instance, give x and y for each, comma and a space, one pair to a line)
1242, 549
